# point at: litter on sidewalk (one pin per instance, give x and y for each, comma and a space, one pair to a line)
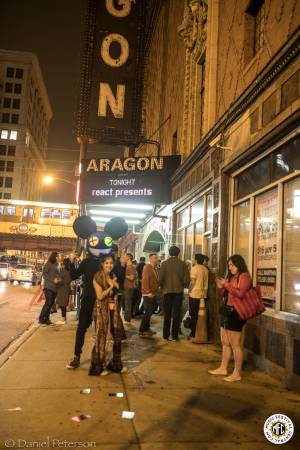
116, 394
85, 391
81, 417
128, 415
17, 408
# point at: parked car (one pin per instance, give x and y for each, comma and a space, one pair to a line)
24, 273
4, 271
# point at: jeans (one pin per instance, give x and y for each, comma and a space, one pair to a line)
172, 310
149, 303
128, 294
63, 312
45, 313
85, 320
194, 304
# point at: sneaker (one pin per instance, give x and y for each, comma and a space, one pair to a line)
124, 370
105, 372
48, 322
74, 364
61, 322
142, 334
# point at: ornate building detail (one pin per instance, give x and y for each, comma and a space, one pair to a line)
193, 32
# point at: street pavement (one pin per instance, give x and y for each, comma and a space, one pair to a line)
16, 315
177, 405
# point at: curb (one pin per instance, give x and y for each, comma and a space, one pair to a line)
17, 343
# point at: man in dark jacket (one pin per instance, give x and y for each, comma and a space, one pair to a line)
174, 276
87, 269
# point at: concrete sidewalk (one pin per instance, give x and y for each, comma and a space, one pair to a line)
177, 404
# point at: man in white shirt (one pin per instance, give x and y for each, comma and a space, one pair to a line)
197, 290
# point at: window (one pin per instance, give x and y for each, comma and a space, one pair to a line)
13, 135
208, 212
184, 217
15, 118
4, 134
8, 182
10, 72
19, 73
10, 166
259, 29
2, 166
266, 235
28, 212
7, 195
55, 214
1, 181
7, 102
242, 230
291, 247
66, 214
11, 150
199, 230
1, 209
5, 118
11, 210
18, 88
198, 210
45, 213
3, 150
8, 87
188, 245
16, 103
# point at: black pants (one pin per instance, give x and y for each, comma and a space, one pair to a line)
149, 303
172, 310
63, 312
45, 313
85, 320
194, 304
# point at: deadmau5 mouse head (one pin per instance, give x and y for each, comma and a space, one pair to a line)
100, 242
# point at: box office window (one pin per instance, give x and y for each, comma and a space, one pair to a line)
45, 213
55, 214
66, 214
291, 247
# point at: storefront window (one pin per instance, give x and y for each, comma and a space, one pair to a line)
242, 230
199, 229
198, 210
180, 242
209, 212
266, 237
188, 245
184, 217
291, 247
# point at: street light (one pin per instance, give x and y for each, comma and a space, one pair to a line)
48, 179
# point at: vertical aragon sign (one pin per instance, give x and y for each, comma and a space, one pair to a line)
111, 72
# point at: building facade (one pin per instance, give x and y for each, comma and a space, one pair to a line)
25, 114
222, 88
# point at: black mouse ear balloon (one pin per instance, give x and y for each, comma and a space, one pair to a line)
114, 248
83, 226
116, 227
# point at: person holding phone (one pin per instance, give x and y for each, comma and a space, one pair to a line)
238, 282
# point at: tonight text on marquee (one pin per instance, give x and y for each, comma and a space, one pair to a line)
106, 96
125, 165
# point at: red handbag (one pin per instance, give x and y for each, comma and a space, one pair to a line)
250, 305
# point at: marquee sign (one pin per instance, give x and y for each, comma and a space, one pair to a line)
111, 78
140, 180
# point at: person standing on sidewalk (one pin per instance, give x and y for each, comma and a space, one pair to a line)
197, 291
129, 285
149, 292
174, 276
64, 290
87, 269
50, 275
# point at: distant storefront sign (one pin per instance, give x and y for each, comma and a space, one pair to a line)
140, 180
111, 78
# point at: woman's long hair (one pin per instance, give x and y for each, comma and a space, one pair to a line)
53, 258
100, 277
239, 262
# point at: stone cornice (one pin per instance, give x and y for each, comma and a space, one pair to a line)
275, 67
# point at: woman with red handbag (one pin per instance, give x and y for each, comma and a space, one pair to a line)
236, 286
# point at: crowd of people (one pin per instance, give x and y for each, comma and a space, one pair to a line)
116, 290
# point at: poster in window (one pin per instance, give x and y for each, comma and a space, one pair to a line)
266, 245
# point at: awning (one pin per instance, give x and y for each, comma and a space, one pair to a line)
154, 242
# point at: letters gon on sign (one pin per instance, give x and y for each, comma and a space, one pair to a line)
111, 73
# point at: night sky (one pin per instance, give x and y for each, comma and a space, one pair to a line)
52, 29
